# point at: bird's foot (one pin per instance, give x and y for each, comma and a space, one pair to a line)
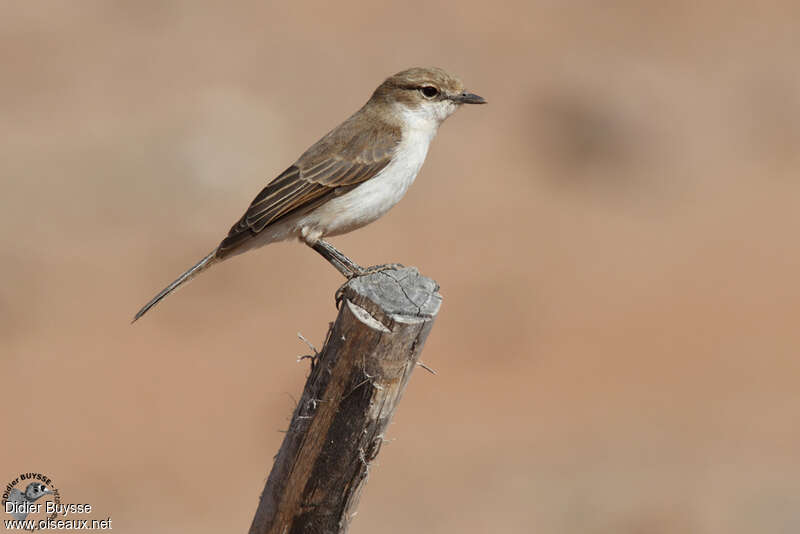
339, 295
363, 271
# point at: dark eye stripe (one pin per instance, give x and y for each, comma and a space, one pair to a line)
417, 87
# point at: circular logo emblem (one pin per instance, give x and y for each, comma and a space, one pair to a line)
22, 497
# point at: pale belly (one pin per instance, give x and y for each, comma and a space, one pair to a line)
370, 200
359, 207
354, 209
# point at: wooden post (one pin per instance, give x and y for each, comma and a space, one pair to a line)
349, 398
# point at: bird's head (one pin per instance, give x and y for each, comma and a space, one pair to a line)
427, 93
36, 490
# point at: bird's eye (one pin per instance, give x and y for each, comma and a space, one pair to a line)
429, 91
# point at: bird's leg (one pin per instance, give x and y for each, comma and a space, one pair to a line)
335, 257
342, 263
347, 267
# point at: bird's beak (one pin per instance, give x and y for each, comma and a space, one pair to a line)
468, 98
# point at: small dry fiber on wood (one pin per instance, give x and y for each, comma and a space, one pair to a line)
349, 398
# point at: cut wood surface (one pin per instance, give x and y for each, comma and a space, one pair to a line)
355, 384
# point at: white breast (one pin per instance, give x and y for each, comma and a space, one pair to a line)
376, 196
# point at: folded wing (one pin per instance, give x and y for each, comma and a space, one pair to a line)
340, 161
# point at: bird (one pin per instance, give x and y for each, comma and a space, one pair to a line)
349, 178
33, 491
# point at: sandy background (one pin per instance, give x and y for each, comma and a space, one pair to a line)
615, 234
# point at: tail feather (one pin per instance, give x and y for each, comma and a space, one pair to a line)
199, 267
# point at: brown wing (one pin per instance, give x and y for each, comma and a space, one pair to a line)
334, 165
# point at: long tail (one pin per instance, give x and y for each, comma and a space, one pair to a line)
199, 267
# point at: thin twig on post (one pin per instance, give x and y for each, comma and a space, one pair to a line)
349, 398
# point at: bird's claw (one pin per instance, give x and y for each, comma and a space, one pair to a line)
339, 295
379, 268
363, 271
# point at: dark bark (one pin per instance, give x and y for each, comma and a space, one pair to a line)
349, 398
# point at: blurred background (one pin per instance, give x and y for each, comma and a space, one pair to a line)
615, 236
